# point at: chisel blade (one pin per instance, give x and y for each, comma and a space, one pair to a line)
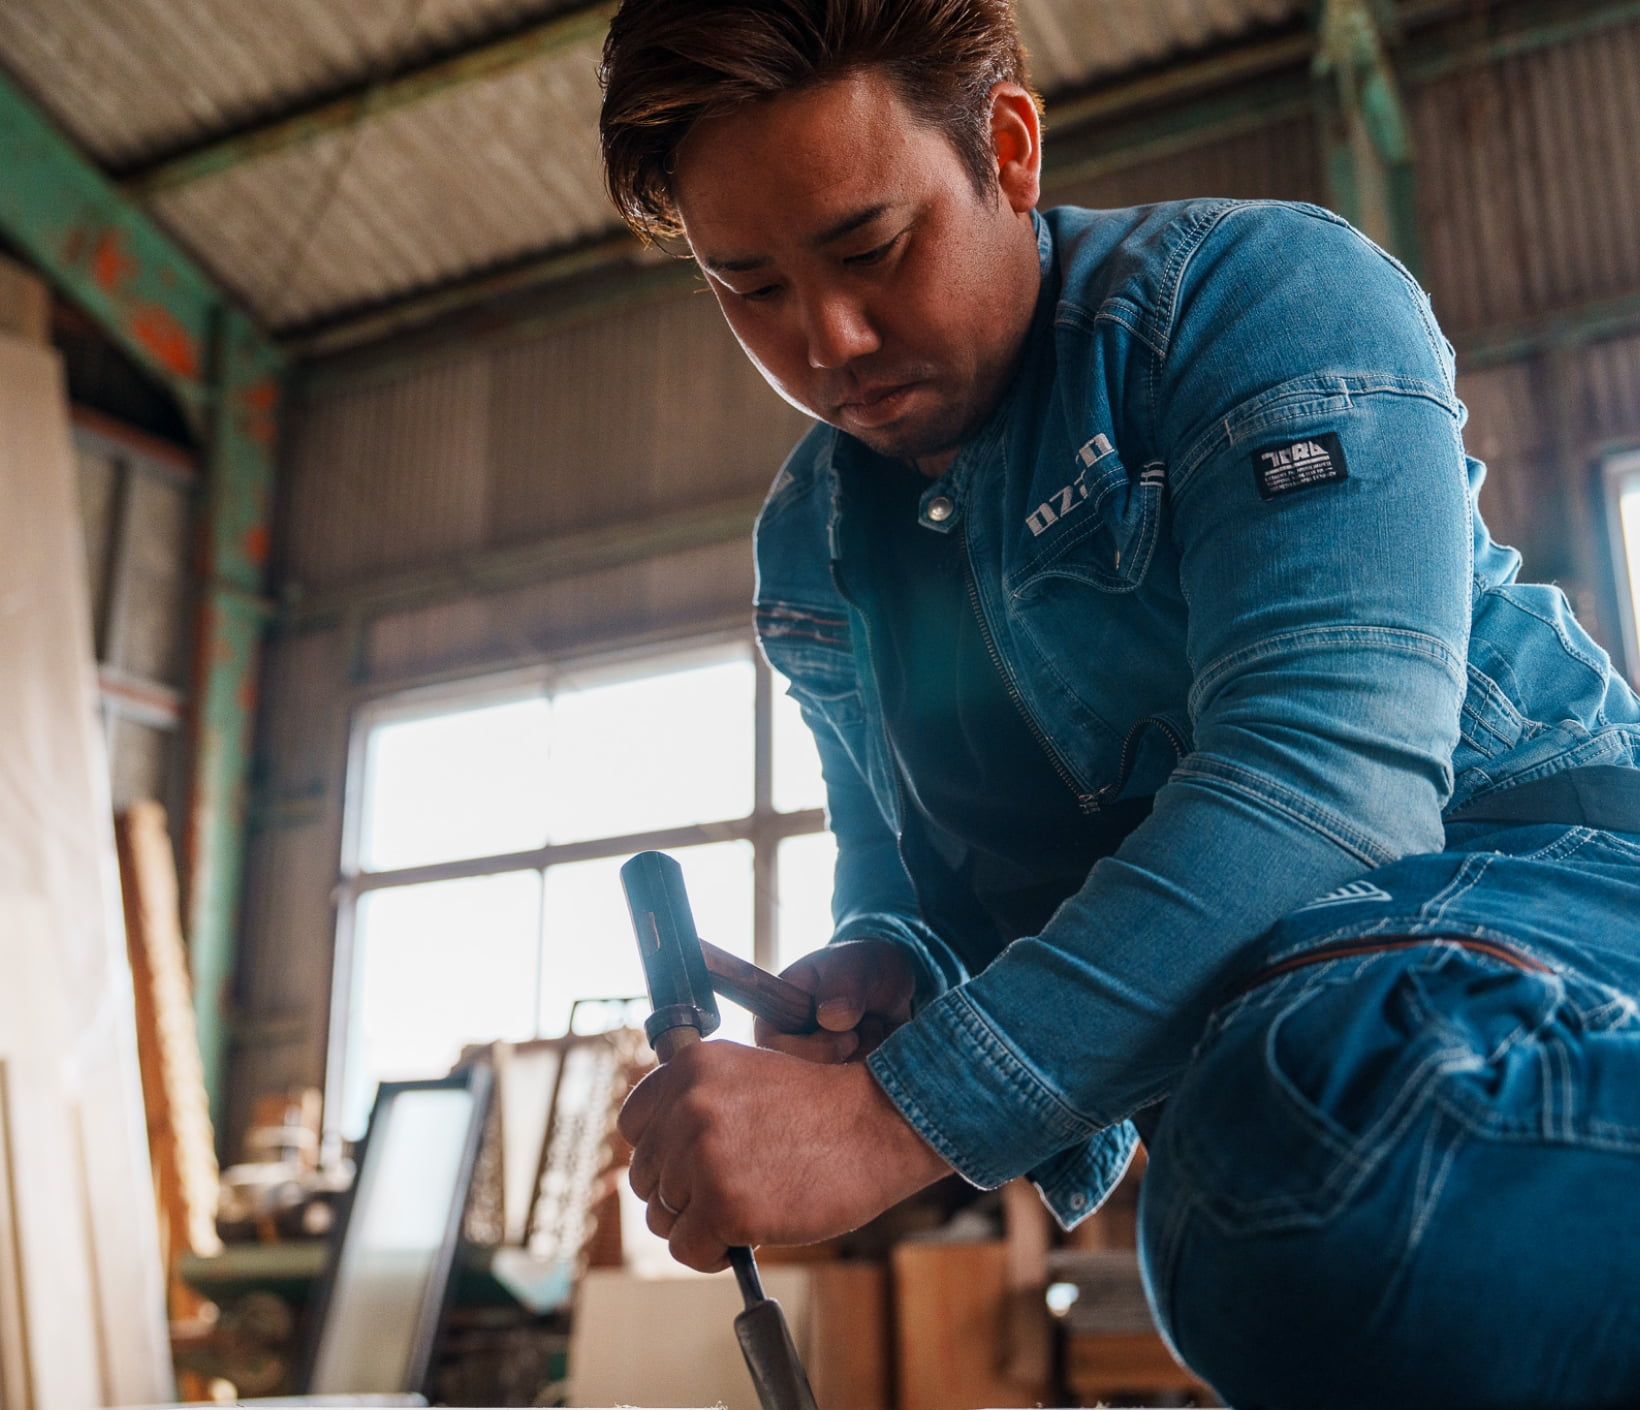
771, 1357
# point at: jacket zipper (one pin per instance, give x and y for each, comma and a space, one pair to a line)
1087, 802
1124, 765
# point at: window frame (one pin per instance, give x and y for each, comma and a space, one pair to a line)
1620, 469
764, 827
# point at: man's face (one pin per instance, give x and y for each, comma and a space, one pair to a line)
872, 284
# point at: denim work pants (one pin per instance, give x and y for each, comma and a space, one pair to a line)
1412, 1177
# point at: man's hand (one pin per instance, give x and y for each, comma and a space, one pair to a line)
863, 991
735, 1145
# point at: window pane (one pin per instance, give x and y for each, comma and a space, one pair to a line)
804, 909
1629, 514
797, 780
437, 967
590, 951
663, 751
468, 784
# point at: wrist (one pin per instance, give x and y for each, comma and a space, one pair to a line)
904, 1161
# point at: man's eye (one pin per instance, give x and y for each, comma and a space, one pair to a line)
761, 294
873, 256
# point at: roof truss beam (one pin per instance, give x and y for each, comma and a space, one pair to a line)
583, 24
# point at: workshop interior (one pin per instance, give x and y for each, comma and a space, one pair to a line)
390, 768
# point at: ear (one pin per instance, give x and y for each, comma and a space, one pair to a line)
1016, 138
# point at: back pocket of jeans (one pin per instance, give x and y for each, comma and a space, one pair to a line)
1298, 1102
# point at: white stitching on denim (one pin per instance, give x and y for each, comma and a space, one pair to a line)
1415, 644
1428, 1189
1462, 882
1299, 807
1568, 1092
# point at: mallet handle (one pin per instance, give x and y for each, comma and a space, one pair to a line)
774, 1000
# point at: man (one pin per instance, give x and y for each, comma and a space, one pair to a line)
1194, 758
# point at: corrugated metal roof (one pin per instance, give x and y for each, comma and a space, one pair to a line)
1074, 42
460, 181
424, 194
135, 78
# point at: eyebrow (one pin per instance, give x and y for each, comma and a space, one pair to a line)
830, 235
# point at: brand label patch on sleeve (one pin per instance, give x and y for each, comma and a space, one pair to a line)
1299, 465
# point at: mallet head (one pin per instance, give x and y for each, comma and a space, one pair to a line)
680, 989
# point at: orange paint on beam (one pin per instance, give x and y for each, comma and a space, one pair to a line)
258, 411
111, 266
164, 336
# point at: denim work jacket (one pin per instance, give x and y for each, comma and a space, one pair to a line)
1223, 538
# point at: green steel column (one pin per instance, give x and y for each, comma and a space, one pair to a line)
101, 250
1365, 136
233, 616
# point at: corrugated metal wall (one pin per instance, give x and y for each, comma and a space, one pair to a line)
602, 422
1529, 181
1529, 192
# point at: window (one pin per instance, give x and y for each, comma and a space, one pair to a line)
1623, 515
486, 826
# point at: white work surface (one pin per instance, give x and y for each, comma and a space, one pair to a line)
666, 1343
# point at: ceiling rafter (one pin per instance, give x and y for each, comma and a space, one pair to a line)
312, 119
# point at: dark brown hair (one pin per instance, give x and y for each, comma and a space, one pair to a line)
670, 63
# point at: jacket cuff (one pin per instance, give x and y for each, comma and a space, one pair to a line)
982, 1107
971, 1096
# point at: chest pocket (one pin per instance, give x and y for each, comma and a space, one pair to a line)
1100, 528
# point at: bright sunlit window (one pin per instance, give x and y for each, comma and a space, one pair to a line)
487, 824
1623, 515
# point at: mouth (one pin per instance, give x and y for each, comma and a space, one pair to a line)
877, 406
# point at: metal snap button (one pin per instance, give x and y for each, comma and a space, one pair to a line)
940, 509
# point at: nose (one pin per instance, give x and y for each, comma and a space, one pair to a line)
838, 329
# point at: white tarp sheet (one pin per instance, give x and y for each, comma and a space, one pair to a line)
82, 1319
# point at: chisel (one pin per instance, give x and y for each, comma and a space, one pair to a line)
684, 1012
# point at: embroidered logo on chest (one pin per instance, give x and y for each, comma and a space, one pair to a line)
1073, 495
1299, 465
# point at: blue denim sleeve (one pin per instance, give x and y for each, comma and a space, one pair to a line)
872, 897
1327, 631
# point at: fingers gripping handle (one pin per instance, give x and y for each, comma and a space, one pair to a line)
680, 989
685, 1011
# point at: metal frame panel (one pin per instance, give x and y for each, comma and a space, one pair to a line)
1619, 471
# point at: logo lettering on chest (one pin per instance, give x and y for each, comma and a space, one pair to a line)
1073, 495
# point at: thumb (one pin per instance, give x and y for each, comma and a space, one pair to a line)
861, 977
840, 997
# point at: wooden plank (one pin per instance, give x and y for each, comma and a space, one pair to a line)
25, 303
846, 1349
1028, 1333
1127, 1363
181, 1143
950, 1311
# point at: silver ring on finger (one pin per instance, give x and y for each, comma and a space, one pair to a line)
667, 1205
